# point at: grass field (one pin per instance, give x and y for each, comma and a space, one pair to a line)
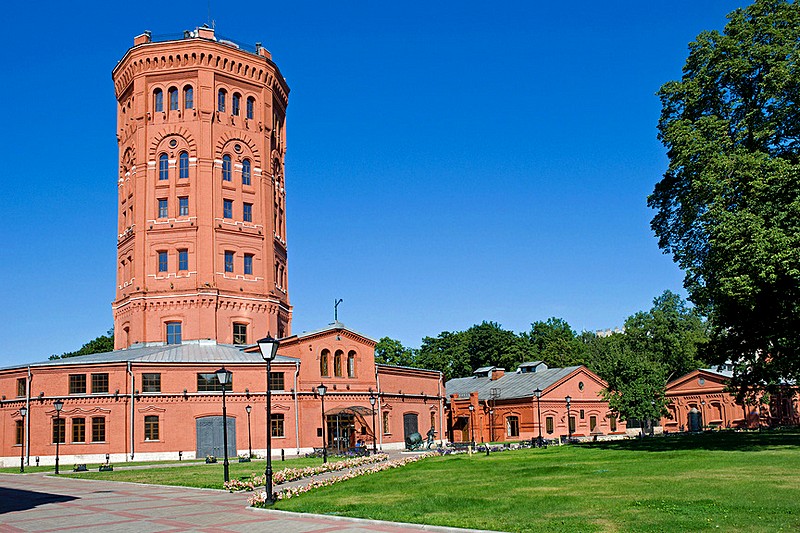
722, 481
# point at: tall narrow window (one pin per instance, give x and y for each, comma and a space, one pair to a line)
173, 332
235, 104
163, 167
385, 416
221, 100
183, 165
572, 424
251, 104
163, 262
323, 363
227, 208
158, 100
548, 422
19, 432
337, 363
433, 420
21, 386
188, 97
183, 260
247, 212
612, 423
228, 261
277, 424
59, 430
248, 264
183, 206
226, 168
151, 427
239, 333
78, 430
162, 208
173, 98
592, 423
246, 172
351, 364
98, 429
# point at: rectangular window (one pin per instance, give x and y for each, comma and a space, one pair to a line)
188, 97
512, 426
163, 265
433, 420
592, 423
77, 383
276, 381
21, 387
19, 432
78, 430
173, 99
581, 414
548, 422
159, 100
183, 206
228, 261
221, 101
183, 259
151, 382
247, 212
59, 430
227, 208
277, 425
239, 333
248, 264
162, 208
612, 422
210, 383
98, 429
163, 167
250, 106
151, 427
572, 424
173, 332
385, 416
99, 383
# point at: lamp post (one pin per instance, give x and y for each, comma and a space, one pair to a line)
321, 390
472, 424
58, 405
23, 412
269, 349
224, 377
372, 401
249, 438
491, 425
569, 419
538, 394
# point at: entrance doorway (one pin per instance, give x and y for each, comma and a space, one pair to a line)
410, 425
341, 432
209, 436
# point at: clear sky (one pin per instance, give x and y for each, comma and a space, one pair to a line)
447, 163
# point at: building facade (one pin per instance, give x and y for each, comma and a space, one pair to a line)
201, 275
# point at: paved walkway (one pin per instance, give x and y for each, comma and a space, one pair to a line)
36, 502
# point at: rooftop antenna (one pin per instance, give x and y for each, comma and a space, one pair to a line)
336, 309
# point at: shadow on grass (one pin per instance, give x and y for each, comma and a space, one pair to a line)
749, 441
22, 500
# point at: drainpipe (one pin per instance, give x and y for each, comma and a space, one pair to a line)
441, 407
380, 413
27, 441
133, 399
296, 410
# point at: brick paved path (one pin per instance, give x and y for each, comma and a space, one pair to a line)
36, 502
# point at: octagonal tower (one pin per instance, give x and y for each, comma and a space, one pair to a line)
201, 251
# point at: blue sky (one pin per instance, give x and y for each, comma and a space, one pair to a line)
447, 163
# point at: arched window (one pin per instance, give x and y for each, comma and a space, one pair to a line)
226, 168
235, 104
173, 98
221, 100
183, 166
163, 167
323, 363
188, 97
351, 364
337, 363
158, 100
251, 105
246, 172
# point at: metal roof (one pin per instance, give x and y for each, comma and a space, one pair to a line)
201, 353
511, 386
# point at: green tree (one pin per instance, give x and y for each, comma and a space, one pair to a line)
554, 342
103, 343
728, 206
447, 353
392, 352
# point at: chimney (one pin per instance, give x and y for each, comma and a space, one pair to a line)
143, 38
497, 373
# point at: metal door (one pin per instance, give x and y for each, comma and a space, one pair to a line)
409, 424
209, 436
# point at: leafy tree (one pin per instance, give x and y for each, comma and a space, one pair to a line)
447, 353
392, 352
103, 343
555, 343
728, 206
488, 344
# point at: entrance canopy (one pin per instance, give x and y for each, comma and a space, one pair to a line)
352, 410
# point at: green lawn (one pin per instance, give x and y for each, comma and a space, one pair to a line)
723, 481
67, 467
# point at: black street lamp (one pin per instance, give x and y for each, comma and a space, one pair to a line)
269, 349
321, 390
491, 425
23, 412
538, 394
58, 405
472, 424
372, 400
249, 439
569, 419
224, 377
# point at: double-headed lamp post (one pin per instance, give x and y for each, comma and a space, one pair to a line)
23, 412
569, 419
224, 376
249, 435
472, 424
538, 394
58, 405
321, 390
372, 401
269, 349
